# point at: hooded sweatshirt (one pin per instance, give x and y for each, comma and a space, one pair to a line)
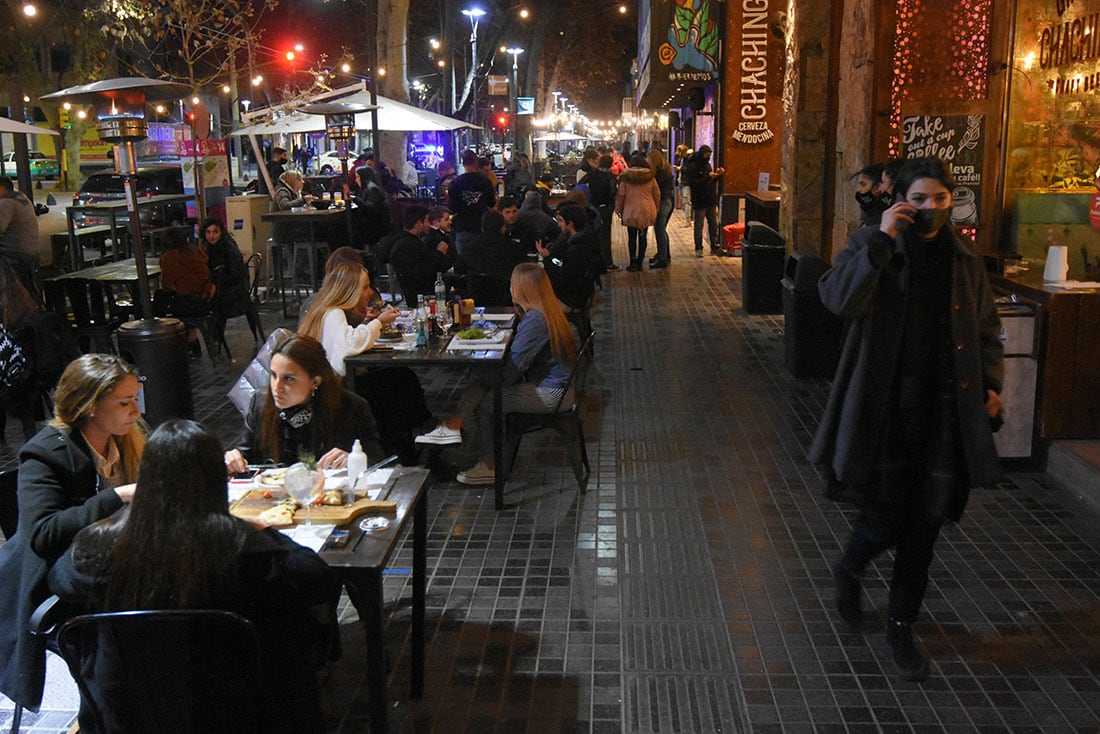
638, 198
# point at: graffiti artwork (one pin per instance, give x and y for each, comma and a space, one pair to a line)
693, 43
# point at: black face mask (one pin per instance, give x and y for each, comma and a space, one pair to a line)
929, 221
866, 200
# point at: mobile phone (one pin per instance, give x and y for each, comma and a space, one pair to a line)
247, 474
338, 538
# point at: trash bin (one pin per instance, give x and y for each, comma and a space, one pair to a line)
812, 333
762, 269
158, 348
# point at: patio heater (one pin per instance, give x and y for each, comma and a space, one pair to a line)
157, 347
339, 127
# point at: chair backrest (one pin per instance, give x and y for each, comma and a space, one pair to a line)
255, 266
9, 503
87, 301
167, 671
582, 356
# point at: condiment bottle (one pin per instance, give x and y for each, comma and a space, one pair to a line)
357, 463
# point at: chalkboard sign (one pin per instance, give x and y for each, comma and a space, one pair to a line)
960, 141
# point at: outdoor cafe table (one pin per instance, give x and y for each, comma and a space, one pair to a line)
490, 364
113, 210
360, 564
123, 271
317, 221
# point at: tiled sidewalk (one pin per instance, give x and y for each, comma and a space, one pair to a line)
689, 590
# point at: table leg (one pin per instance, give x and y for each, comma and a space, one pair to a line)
365, 591
498, 444
420, 553
76, 255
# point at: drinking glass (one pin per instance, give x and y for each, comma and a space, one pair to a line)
301, 483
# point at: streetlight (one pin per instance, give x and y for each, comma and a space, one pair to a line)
515, 51
474, 15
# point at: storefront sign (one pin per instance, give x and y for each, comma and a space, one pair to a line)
688, 41
959, 141
752, 126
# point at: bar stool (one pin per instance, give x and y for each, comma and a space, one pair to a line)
275, 276
311, 250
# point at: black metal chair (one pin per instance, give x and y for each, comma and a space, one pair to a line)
565, 420
167, 671
90, 309
9, 505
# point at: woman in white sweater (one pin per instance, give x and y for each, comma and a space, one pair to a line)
341, 318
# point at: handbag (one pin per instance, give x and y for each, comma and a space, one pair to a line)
13, 363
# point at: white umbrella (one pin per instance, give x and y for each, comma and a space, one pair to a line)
17, 128
392, 115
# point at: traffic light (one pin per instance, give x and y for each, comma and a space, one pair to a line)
502, 121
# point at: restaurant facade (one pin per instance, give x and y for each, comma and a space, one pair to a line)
800, 95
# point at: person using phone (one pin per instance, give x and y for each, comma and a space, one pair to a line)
906, 430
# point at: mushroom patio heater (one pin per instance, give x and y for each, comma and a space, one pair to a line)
340, 128
157, 347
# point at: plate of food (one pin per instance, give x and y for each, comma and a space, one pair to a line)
391, 334
272, 477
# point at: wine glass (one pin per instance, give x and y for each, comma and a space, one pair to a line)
302, 483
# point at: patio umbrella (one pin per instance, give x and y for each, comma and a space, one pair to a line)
21, 128
392, 116
559, 137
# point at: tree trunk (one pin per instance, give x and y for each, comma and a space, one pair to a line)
393, 22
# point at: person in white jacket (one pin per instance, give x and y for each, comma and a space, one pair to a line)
335, 318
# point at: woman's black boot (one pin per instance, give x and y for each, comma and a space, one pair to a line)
909, 663
635, 265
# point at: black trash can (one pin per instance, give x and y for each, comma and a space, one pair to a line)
158, 348
812, 333
762, 269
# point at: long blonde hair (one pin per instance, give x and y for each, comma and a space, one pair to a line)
341, 289
531, 291
657, 160
87, 380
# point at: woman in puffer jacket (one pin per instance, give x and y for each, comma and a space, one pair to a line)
637, 204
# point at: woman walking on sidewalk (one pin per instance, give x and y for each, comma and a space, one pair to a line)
637, 204
907, 428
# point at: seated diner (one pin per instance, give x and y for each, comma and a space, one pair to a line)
75, 471
304, 412
535, 373
177, 547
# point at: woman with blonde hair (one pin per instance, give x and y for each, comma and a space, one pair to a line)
75, 471
338, 303
394, 393
667, 185
535, 375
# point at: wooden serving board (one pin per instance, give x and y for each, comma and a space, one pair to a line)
252, 504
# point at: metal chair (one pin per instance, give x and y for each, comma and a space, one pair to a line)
167, 671
90, 309
9, 504
565, 420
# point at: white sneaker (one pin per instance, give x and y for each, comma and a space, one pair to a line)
440, 436
477, 474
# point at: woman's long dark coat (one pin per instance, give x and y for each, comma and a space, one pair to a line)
867, 286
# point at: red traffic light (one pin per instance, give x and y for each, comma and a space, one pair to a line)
502, 120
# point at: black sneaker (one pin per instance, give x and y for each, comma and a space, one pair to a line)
909, 663
846, 594
718, 252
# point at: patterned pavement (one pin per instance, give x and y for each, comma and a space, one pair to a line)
689, 590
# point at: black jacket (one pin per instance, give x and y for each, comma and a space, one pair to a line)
286, 591
696, 174
59, 494
468, 197
229, 275
354, 420
417, 264
573, 268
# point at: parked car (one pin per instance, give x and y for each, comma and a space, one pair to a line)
329, 162
151, 181
41, 165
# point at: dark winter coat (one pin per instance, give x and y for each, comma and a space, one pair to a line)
229, 275
867, 286
574, 268
59, 493
696, 174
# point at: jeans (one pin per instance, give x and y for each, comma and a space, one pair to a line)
685, 201
660, 229
636, 242
476, 404
914, 535
710, 213
606, 213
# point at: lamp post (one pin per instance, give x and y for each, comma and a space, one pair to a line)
474, 15
515, 51
157, 347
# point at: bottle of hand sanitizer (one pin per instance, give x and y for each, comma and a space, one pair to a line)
357, 462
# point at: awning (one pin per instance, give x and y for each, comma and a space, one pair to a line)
392, 116
15, 127
559, 136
